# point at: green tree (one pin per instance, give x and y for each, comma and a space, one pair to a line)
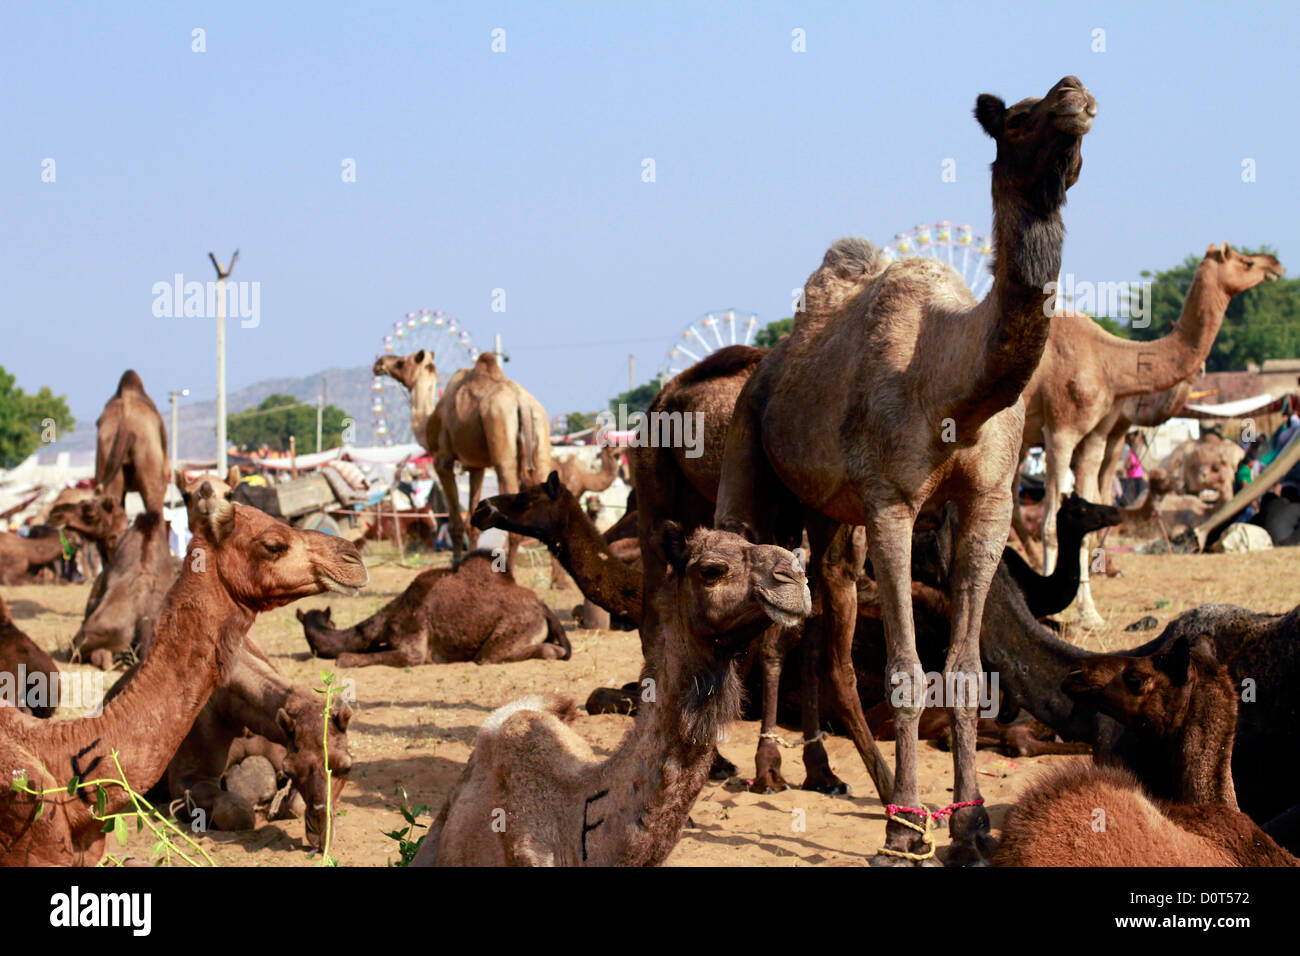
25, 418
773, 332
281, 416
1260, 324
578, 421
636, 400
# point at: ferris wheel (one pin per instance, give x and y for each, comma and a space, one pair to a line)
434, 331
710, 332
967, 251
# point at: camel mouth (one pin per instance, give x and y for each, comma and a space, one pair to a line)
777, 606
483, 515
1074, 123
1076, 684
349, 585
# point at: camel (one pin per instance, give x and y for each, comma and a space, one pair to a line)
919, 412
551, 513
471, 612
1070, 403
533, 792
1055, 592
256, 698
128, 594
1181, 705
97, 518
131, 446
20, 655
1205, 464
21, 559
483, 420
240, 562
580, 479
1033, 663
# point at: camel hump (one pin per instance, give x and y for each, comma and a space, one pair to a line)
486, 364
129, 382
553, 704
723, 363
848, 263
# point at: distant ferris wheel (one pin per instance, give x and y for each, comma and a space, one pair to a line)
710, 332
967, 251
452, 348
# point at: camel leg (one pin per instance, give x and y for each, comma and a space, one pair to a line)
445, 467
889, 542
475, 493
409, 655
508, 484
1058, 448
838, 556
767, 759
818, 775
981, 528
1091, 453
1032, 553
506, 644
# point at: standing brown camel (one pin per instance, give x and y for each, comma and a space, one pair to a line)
926, 406
471, 612
483, 420
1070, 401
240, 562
131, 446
533, 792
1181, 704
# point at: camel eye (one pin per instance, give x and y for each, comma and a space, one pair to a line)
274, 548
1134, 681
712, 572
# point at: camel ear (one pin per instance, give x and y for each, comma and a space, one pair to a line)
343, 716
285, 721
178, 477
215, 511
418, 357
300, 615
329, 614
991, 113
1213, 252
673, 541
1227, 250
553, 485
233, 476
1176, 661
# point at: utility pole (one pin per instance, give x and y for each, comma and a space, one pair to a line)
498, 351
320, 412
222, 275
175, 442
631, 372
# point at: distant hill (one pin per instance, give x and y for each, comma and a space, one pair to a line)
347, 388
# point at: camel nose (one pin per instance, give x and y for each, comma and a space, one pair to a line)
482, 516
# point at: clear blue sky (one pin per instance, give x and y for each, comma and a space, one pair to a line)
522, 170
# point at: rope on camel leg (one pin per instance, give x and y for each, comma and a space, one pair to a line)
791, 744
928, 817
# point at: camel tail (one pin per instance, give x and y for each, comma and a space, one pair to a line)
122, 442
555, 634
527, 445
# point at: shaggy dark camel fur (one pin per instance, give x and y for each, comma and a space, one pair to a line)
1180, 705
471, 612
17, 649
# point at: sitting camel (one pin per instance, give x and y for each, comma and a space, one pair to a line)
22, 558
555, 803
1180, 705
483, 420
128, 594
20, 655
95, 517
240, 562
470, 612
1053, 593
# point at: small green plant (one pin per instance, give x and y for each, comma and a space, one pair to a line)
329, 690
407, 843
118, 824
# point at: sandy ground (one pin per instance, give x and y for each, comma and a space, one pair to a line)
413, 727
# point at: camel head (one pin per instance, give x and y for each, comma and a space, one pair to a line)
722, 583
1235, 272
537, 510
302, 724
263, 563
1149, 693
1086, 516
407, 369
315, 621
97, 517
1039, 142
188, 487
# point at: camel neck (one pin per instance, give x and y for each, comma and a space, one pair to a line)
258, 693
639, 799
424, 398
1200, 763
608, 582
199, 629
1013, 317
1198, 323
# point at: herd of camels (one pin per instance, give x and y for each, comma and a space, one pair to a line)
902, 482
